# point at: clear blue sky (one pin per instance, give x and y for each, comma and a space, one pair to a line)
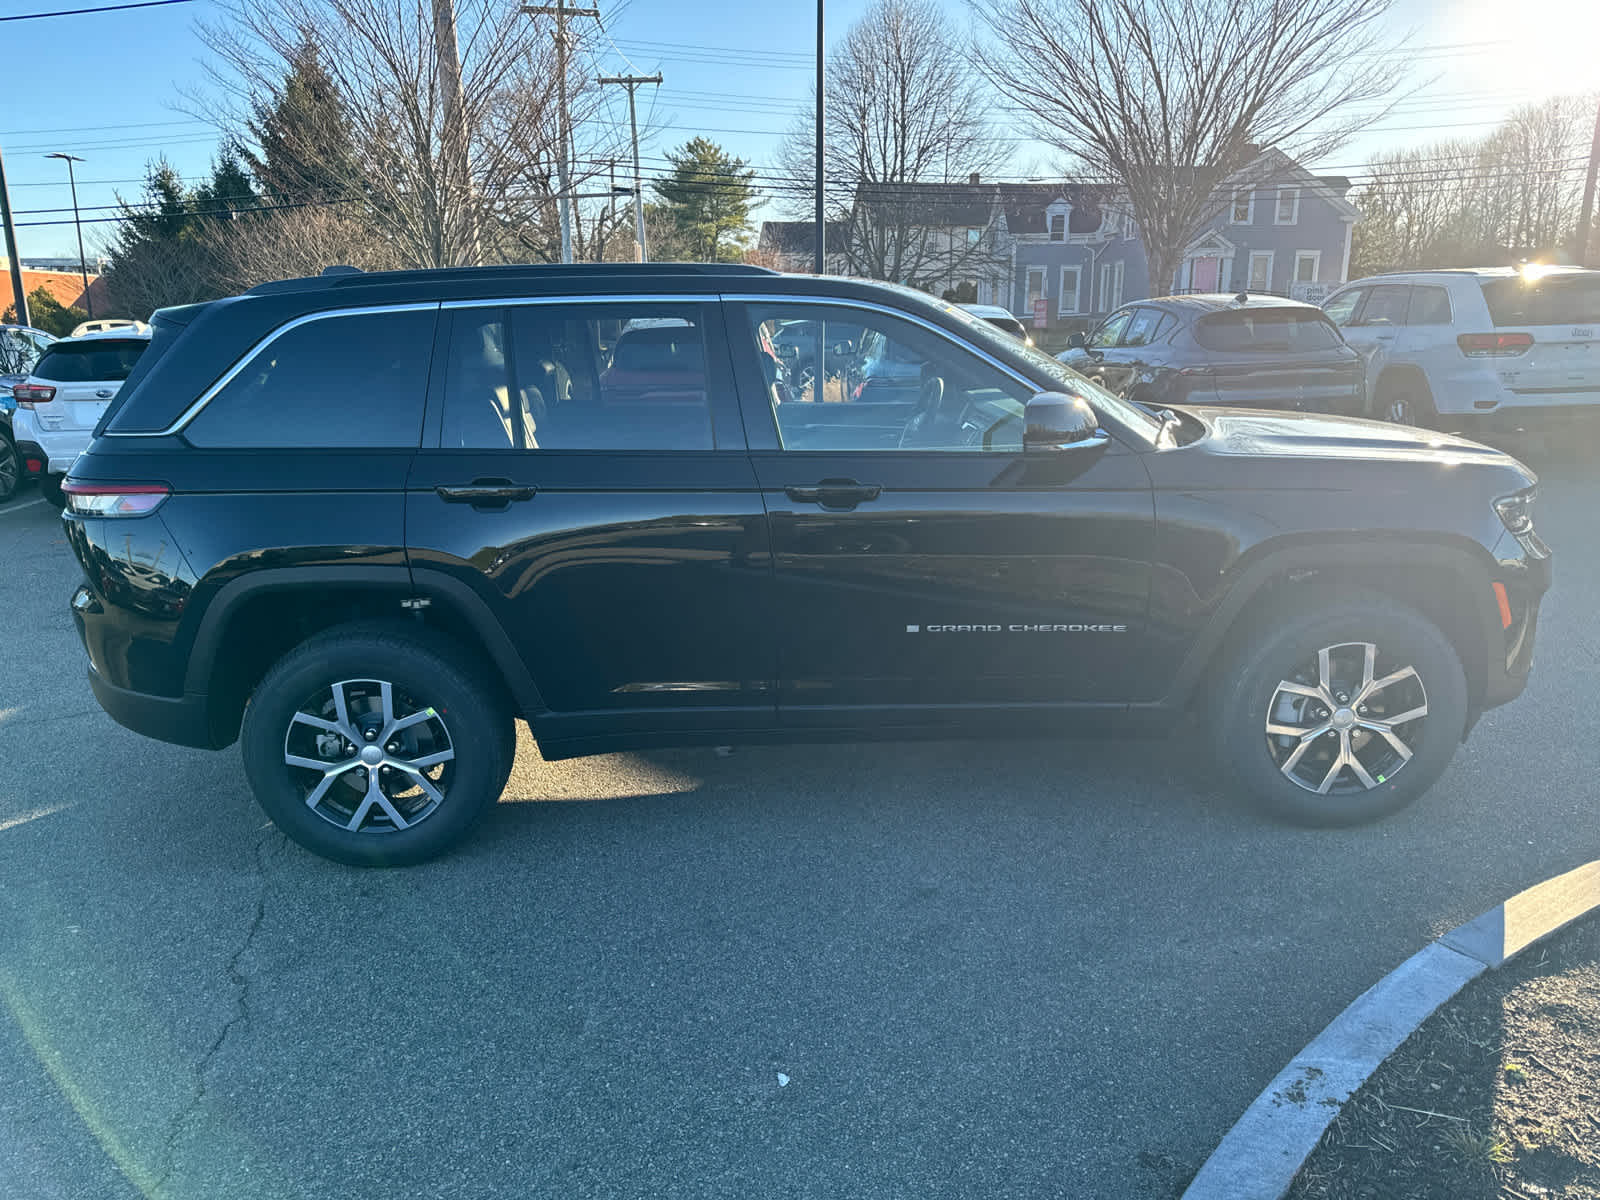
108, 86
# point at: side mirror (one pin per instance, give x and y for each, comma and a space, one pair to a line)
1078, 340
1055, 421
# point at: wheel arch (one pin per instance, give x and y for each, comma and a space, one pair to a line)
1447, 583
255, 619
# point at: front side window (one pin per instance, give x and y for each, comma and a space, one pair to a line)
897, 386
337, 382
1386, 305
585, 377
1343, 306
1142, 329
1110, 332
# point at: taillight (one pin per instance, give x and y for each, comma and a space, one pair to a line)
1489, 345
31, 395
114, 499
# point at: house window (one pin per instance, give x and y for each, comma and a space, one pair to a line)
1110, 286
1306, 265
1035, 288
973, 235
1058, 227
1244, 204
1288, 211
1067, 303
1261, 270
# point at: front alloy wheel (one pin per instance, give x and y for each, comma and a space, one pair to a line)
370, 759
1346, 722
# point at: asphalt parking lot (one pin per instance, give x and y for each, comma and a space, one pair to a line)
1030, 970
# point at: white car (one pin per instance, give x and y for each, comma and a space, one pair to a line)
1000, 319
101, 325
1489, 347
63, 398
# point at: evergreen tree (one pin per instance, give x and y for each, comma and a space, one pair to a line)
303, 134
708, 198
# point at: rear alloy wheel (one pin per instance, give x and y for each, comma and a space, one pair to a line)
376, 747
10, 467
1403, 400
1343, 713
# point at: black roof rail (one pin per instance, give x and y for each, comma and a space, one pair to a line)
352, 276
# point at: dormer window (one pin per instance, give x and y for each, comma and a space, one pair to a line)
1058, 227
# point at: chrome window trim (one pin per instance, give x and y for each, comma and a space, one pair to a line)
526, 301
244, 360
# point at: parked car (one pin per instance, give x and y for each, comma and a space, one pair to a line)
312, 523
1485, 347
1001, 319
20, 348
63, 398
102, 324
1239, 350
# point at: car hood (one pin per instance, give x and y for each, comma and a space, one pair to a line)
1257, 434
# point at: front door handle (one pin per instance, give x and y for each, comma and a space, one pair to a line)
485, 493
834, 493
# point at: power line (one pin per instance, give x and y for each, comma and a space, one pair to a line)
78, 12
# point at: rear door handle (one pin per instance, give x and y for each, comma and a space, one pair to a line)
834, 493
485, 493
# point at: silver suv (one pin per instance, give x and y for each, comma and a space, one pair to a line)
1488, 347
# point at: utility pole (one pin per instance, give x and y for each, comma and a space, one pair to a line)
1586, 213
820, 262
631, 82
83, 266
457, 164
561, 12
11, 249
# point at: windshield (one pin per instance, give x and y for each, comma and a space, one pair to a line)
1062, 378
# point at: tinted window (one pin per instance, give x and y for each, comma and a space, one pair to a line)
1429, 306
905, 388
1266, 329
1553, 300
336, 382
1385, 306
1342, 307
579, 377
90, 362
1142, 329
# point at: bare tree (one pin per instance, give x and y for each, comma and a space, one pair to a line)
907, 125
294, 242
404, 172
1173, 99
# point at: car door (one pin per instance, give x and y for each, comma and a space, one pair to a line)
931, 572
1089, 359
584, 472
1137, 354
1376, 326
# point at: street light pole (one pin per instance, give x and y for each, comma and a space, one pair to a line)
15, 263
819, 262
83, 263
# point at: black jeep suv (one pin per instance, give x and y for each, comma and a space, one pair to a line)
362, 522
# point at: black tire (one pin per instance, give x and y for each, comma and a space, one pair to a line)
10, 467
1252, 692
452, 708
50, 489
1403, 398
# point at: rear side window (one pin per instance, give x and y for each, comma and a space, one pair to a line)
1142, 329
1429, 306
338, 382
1386, 305
1265, 330
579, 377
1551, 300
104, 359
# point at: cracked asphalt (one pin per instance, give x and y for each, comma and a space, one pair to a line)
1029, 970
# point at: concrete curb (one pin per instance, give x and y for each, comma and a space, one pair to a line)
1260, 1156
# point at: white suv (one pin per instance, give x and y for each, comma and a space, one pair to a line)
62, 400
1476, 348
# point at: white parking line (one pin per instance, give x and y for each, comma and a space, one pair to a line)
25, 504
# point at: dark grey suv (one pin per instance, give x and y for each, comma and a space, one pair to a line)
1250, 351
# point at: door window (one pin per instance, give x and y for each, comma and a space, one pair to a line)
1429, 306
1385, 305
1343, 306
578, 377
338, 382
897, 385
1142, 329
1110, 331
